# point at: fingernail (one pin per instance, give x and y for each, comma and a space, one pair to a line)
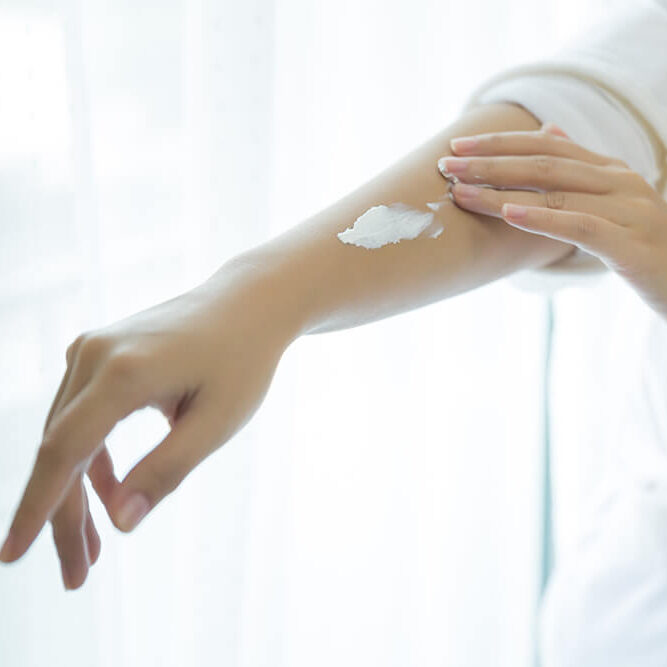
6, 551
554, 129
442, 168
133, 511
452, 165
514, 212
465, 191
463, 144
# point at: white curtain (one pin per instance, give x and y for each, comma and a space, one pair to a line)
384, 506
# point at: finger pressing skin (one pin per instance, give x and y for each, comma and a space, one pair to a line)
589, 232
489, 201
71, 441
525, 143
542, 172
69, 524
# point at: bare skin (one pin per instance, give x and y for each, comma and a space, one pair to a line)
206, 358
604, 207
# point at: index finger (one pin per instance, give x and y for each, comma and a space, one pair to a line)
75, 435
526, 143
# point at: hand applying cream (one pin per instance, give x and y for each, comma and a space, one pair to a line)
544, 183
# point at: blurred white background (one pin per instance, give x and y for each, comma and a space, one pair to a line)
384, 506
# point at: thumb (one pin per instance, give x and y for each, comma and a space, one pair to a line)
163, 469
554, 129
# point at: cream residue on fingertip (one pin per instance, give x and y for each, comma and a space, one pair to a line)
381, 225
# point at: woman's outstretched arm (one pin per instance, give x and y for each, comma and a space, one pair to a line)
331, 285
206, 358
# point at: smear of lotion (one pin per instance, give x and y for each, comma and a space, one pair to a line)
381, 225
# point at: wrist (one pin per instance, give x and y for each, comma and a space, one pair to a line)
268, 287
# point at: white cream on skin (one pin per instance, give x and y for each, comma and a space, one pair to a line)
381, 225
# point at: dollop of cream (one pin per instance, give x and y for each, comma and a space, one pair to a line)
381, 225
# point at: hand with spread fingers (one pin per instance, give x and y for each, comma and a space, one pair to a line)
205, 359
544, 183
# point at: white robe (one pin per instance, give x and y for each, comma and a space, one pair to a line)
606, 604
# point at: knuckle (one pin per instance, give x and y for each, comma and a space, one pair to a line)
73, 347
549, 217
544, 165
554, 199
586, 227
92, 347
121, 367
487, 168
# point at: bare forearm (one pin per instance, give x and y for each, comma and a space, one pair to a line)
325, 284
206, 357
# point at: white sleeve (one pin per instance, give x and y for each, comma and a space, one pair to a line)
607, 89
